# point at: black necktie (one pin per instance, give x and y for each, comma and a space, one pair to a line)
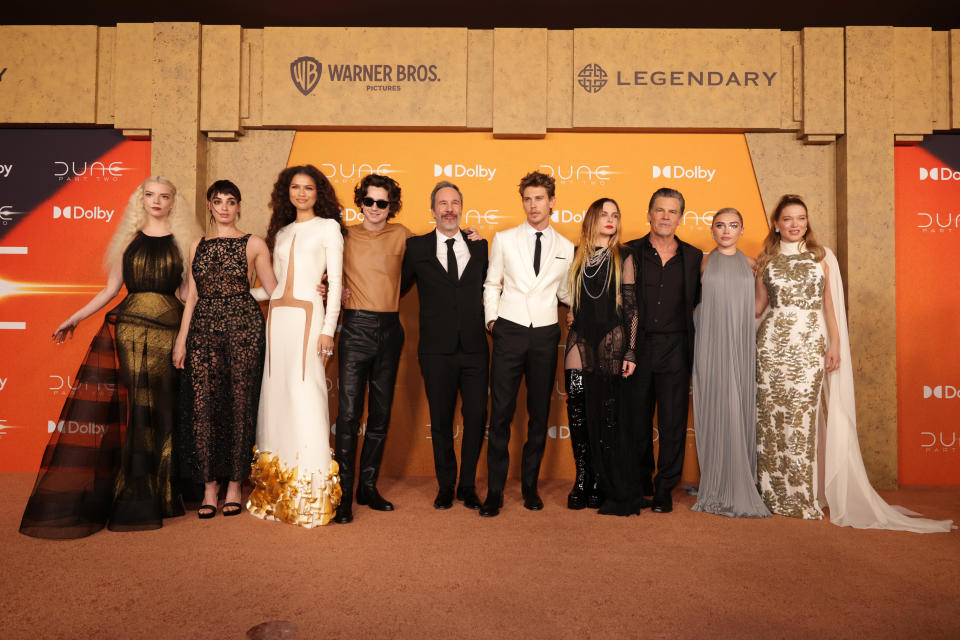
452, 259
536, 254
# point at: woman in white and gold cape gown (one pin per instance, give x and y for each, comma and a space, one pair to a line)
808, 453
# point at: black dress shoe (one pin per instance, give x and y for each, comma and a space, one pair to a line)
662, 504
444, 499
491, 506
469, 498
372, 498
344, 515
531, 500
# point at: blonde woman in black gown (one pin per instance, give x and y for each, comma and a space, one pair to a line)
119, 470
724, 377
220, 345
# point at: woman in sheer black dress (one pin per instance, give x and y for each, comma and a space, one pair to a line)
600, 353
110, 461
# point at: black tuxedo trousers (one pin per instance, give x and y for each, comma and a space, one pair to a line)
520, 352
444, 375
661, 383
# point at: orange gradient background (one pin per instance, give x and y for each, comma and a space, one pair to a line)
586, 166
60, 272
928, 306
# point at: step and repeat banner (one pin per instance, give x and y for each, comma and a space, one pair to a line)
711, 170
62, 193
928, 306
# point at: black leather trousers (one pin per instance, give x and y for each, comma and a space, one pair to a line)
370, 344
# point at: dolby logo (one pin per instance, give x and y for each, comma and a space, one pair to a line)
75, 212
72, 426
561, 432
462, 171
941, 174
941, 392
679, 172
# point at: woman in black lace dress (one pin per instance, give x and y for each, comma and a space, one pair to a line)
220, 346
600, 353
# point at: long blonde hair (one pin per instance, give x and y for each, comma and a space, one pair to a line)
589, 235
771, 244
180, 221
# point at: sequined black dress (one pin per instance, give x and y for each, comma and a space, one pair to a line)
224, 365
110, 460
605, 337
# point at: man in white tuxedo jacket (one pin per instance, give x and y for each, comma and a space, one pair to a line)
528, 273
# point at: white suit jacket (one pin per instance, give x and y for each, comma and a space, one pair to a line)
513, 291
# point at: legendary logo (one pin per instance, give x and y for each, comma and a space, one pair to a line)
697, 78
939, 173
5, 170
677, 172
592, 78
462, 171
75, 212
3, 383
305, 72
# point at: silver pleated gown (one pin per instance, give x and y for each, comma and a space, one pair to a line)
724, 390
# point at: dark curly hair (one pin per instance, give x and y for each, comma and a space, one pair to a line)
326, 206
384, 182
538, 179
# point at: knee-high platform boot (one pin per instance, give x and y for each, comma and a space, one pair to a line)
576, 418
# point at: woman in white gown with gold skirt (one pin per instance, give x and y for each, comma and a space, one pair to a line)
808, 458
295, 479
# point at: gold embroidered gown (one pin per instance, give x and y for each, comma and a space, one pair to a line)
295, 479
791, 344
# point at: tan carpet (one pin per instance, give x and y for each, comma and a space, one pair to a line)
420, 573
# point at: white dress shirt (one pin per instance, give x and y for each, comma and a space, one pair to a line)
460, 250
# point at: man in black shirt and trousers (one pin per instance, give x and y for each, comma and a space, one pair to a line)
668, 289
450, 269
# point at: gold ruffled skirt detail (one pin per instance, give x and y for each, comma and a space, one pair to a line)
307, 498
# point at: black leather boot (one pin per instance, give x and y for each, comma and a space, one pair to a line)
576, 410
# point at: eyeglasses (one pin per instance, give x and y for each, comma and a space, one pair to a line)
381, 204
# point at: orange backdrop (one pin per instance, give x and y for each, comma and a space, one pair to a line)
928, 305
711, 170
50, 266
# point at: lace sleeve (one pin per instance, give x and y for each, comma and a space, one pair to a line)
629, 314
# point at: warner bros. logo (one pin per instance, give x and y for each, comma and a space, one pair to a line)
305, 72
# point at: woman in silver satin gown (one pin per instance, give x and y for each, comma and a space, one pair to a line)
724, 377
